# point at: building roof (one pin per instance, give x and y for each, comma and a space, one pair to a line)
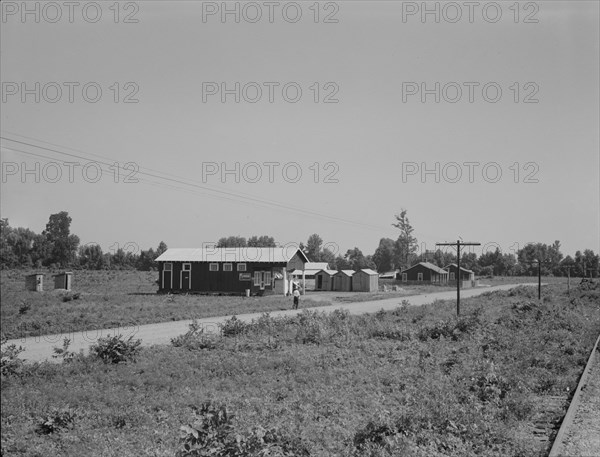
267, 255
389, 274
329, 272
454, 265
368, 271
312, 268
316, 266
346, 272
306, 272
428, 265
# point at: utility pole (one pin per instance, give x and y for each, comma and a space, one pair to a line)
458, 245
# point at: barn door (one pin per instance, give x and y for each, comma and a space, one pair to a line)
167, 276
186, 277
319, 282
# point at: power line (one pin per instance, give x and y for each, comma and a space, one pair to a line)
235, 195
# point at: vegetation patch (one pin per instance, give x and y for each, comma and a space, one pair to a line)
416, 381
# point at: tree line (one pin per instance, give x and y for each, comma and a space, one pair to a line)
56, 247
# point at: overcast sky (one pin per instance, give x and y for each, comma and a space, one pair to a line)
517, 115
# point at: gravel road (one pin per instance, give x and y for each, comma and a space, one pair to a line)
39, 348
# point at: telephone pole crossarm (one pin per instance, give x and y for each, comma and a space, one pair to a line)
458, 244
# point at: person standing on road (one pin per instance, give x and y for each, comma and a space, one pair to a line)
296, 298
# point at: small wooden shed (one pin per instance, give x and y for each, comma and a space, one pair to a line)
342, 280
365, 280
63, 280
35, 282
324, 279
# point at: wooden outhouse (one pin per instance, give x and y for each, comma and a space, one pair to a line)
63, 280
324, 279
35, 282
342, 280
365, 280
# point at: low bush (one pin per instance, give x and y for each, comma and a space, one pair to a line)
195, 338
11, 363
116, 349
213, 434
55, 420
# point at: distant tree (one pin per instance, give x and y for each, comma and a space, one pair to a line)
263, 241
384, 255
313, 248
162, 247
406, 245
356, 260
340, 263
63, 244
591, 263
550, 256
232, 242
91, 257
328, 256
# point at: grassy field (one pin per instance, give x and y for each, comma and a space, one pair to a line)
108, 299
412, 382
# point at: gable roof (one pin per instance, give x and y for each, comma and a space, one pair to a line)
267, 255
429, 266
346, 272
368, 271
329, 272
454, 265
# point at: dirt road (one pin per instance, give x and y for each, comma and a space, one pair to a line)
39, 348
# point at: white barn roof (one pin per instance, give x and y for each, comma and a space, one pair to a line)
368, 271
268, 255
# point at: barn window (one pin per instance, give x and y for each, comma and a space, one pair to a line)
451, 275
227, 267
168, 266
419, 276
404, 277
268, 277
241, 267
257, 278
187, 267
213, 267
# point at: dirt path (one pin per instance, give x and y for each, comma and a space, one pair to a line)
39, 348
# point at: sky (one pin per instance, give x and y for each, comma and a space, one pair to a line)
293, 118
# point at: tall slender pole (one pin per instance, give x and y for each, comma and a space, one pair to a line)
539, 279
458, 277
458, 245
569, 281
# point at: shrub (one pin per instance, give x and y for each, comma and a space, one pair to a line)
11, 363
213, 434
233, 327
64, 353
55, 420
116, 349
194, 339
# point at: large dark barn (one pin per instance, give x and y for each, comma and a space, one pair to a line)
229, 270
424, 272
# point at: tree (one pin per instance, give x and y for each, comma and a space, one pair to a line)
384, 255
232, 242
406, 245
63, 244
162, 247
263, 241
91, 257
313, 248
340, 263
356, 260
